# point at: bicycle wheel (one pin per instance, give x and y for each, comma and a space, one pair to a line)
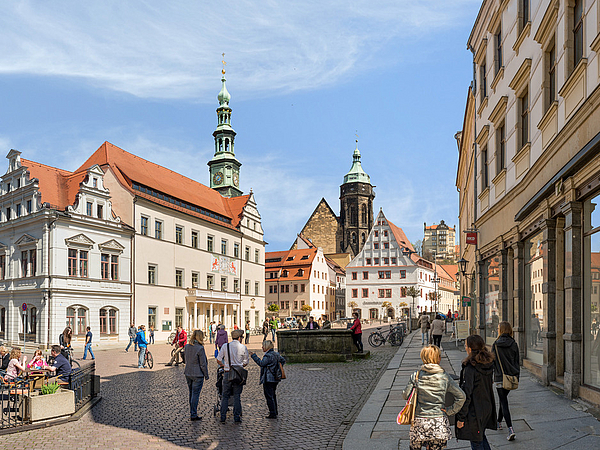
75, 364
371, 339
395, 339
378, 339
173, 352
149, 359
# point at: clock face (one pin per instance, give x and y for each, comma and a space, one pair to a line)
218, 178
236, 179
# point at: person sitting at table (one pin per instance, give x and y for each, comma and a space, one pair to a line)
15, 365
38, 362
4, 358
61, 366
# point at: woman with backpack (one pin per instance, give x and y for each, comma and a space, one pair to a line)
270, 375
506, 351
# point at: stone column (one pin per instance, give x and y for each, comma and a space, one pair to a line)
211, 313
518, 303
573, 298
225, 318
481, 296
195, 315
549, 301
503, 294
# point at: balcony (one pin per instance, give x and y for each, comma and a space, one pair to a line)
212, 294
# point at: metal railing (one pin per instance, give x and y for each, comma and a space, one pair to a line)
12, 404
81, 381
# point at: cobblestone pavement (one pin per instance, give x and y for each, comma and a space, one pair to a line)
149, 408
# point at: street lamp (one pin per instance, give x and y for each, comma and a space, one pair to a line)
462, 265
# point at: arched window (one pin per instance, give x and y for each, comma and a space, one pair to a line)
71, 318
77, 319
363, 214
103, 321
108, 321
226, 145
81, 321
354, 238
220, 145
112, 321
363, 238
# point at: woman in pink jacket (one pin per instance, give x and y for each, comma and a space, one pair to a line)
357, 333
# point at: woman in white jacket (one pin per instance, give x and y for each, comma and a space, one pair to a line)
437, 330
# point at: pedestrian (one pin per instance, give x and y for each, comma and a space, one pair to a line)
5, 357
312, 325
270, 375
534, 324
65, 342
423, 322
211, 332
431, 427
151, 337
196, 370
140, 340
221, 337
179, 342
265, 329
437, 330
357, 333
479, 410
273, 328
88, 344
231, 354
247, 341
132, 333
320, 322
506, 352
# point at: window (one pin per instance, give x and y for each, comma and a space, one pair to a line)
500, 149
256, 288
354, 293
394, 261
209, 243
388, 293
18, 210
178, 235
302, 288
210, 282
152, 317
178, 278
482, 82
8, 214
524, 120
114, 267
376, 245
195, 277
28, 206
368, 261
95, 182
354, 275
104, 265
71, 318
484, 168
72, 262
256, 256
365, 292
223, 247
365, 276
577, 32
24, 263
236, 285
247, 254
223, 284
403, 274
158, 229
386, 245
2, 267
88, 210
81, 321
386, 261
152, 274
103, 321
195, 239
498, 50
524, 10
236, 250
143, 226
295, 288
381, 274
385, 233
376, 261
99, 209
551, 74
83, 263
376, 233
381, 293
179, 317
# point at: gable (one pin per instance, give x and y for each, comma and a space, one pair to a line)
79, 240
322, 228
111, 245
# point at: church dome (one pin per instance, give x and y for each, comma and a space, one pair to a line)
356, 172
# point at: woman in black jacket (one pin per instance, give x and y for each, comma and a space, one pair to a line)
479, 409
506, 351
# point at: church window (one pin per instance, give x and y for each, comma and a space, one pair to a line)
354, 238
363, 214
363, 238
353, 218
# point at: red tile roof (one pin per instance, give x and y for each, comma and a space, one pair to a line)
58, 187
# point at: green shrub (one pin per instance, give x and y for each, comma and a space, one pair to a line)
50, 388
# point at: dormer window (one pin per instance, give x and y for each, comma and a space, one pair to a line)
28, 206
7, 187
100, 212
18, 183
89, 209
95, 182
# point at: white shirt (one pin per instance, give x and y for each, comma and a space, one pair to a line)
238, 354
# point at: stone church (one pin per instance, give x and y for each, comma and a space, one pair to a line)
347, 232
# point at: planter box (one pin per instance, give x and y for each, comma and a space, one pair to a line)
50, 406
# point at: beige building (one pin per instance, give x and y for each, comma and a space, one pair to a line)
536, 182
438, 241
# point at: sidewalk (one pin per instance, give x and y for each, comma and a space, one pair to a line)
542, 419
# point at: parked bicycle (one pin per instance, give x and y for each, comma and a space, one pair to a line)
395, 335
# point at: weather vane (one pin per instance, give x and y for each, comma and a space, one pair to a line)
356, 136
224, 63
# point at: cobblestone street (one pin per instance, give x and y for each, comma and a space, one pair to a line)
148, 408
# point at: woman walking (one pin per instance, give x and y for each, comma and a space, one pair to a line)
437, 330
431, 427
506, 351
479, 409
221, 337
196, 370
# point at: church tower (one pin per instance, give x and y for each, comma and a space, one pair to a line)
224, 168
356, 207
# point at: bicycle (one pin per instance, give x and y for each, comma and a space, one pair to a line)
395, 335
71, 358
148, 359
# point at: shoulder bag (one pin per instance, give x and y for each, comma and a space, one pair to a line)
509, 382
281, 370
407, 415
236, 374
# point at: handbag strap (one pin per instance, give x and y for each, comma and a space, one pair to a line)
499, 360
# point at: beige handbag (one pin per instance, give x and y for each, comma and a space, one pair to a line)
407, 415
509, 382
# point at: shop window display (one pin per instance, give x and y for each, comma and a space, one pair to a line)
591, 296
534, 299
492, 289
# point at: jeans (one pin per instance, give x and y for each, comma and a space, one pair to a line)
273, 335
195, 387
483, 445
141, 359
131, 341
271, 396
503, 411
230, 389
151, 340
88, 347
424, 337
247, 338
357, 338
211, 337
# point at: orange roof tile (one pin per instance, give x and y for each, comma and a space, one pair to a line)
58, 187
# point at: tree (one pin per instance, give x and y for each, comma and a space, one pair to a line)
352, 304
414, 293
306, 308
418, 246
273, 307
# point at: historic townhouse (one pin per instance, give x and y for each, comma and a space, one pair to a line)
65, 256
536, 183
382, 272
438, 241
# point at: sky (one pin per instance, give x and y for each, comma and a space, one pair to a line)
305, 78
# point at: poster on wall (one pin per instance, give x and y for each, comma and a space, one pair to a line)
224, 265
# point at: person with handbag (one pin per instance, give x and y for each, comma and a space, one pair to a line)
506, 373
233, 357
196, 370
478, 413
430, 426
271, 373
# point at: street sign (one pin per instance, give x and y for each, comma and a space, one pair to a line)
24, 306
466, 301
471, 238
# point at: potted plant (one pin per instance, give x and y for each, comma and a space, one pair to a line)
50, 402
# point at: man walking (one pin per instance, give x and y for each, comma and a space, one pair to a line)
88, 344
423, 322
231, 354
179, 341
140, 340
132, 333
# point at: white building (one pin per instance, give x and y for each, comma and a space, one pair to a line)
65, 257
381, 272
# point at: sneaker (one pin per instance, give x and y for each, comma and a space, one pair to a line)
511, 434
499, 426
271, 416
196, 418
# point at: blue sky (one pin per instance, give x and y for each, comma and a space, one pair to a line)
304, 77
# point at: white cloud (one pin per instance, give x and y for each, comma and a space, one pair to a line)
172, 49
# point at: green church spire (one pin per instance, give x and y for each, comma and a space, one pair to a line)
356, 173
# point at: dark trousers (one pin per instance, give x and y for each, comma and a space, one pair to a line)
437, 339
270, 390
483, 445
235, 390
357, 338
247, 338
503, 411
194, 386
